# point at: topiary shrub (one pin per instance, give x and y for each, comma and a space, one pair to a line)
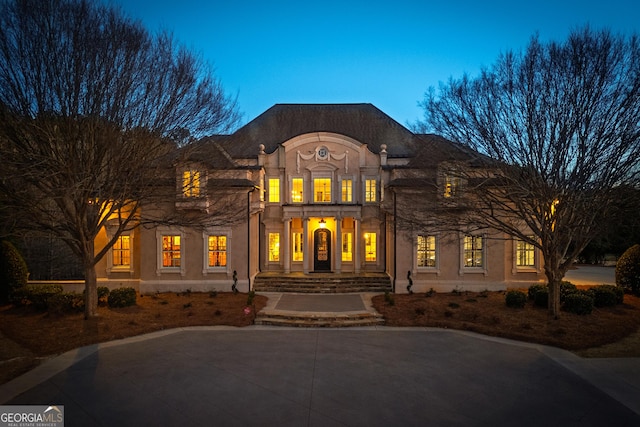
122, 297
13, 271
579, 303
533, 289
628, 270
39, 295
65, 302
516, 299
606, 295
566, 289
541, 297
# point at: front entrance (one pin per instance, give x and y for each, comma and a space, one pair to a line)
322, 250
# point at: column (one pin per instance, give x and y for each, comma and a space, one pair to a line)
338, 250
287, 245
356, 245
305, 245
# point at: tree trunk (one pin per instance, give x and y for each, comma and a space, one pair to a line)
554, 297
90, 284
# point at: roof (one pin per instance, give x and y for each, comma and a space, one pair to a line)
435, 149
362, 122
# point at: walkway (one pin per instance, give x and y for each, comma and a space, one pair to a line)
339, 377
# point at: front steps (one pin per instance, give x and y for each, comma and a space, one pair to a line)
322, 283
319, 320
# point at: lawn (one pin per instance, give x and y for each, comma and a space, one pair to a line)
27, 336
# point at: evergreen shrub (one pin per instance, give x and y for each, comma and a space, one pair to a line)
516, 299
606, 295
13, 271
122, 297
628, 270
579, 303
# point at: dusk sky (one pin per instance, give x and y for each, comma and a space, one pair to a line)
387, 53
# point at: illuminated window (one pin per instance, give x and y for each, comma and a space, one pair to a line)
171, 251
370, 249
370, 194
122, 251
473, 251
322, 190
217, 251
347, 247
347, 190
274, 190
426, 251
274, 247
297, 247
525, 254
191, 183
297, 185
451, 186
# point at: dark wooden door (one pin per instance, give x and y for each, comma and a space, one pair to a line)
322, 250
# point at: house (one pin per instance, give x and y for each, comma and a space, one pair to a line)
303, 189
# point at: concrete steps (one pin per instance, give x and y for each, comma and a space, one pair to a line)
319, 320
322, 283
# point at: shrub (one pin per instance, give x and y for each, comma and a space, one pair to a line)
389, 298
65, 302
516, 299
103, 294
534, 289
628, 270
566, 289
606, 295
250, 297
579, 303
122, 297
39, 295
541, 297
13, 270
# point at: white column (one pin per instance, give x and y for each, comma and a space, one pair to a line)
356, 245
338, 250
287, 245
305, 246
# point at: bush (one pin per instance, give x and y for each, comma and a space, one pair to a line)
579, 303
628, 270
541, 297
13, 271
606, 295
39, 295
65, 302
103, 294
516, 299
122, 297
534, 289
566, 289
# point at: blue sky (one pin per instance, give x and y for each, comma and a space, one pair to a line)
387, 53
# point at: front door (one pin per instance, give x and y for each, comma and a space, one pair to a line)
322, 250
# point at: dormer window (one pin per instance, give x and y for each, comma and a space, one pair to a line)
451, 185
191, 183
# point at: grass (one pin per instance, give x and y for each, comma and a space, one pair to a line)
27, 337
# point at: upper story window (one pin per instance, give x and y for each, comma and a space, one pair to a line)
297, 190
347, 190
274, 190
370, 190
451, 185
191, 183
322, 190
473, 251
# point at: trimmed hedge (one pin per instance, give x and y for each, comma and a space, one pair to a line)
38, 295
579, 303
534, 289
541, 297
516, 299
628, 270
606, 295
65, 302
122, 297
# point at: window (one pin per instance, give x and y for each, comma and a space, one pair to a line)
451, 186
274, 190
217, 251
426, 251
347, 247
171, 251
274, 247
473, 251
322, 190
525, 254
370, 194
297, 185
122, 251
370, 247
347, 190
191, 183
298, 254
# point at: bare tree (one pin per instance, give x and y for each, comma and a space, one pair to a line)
561, 124
92, 106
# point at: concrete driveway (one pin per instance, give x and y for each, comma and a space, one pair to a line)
264, 376
590, 275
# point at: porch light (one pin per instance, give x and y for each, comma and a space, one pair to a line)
323, 223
